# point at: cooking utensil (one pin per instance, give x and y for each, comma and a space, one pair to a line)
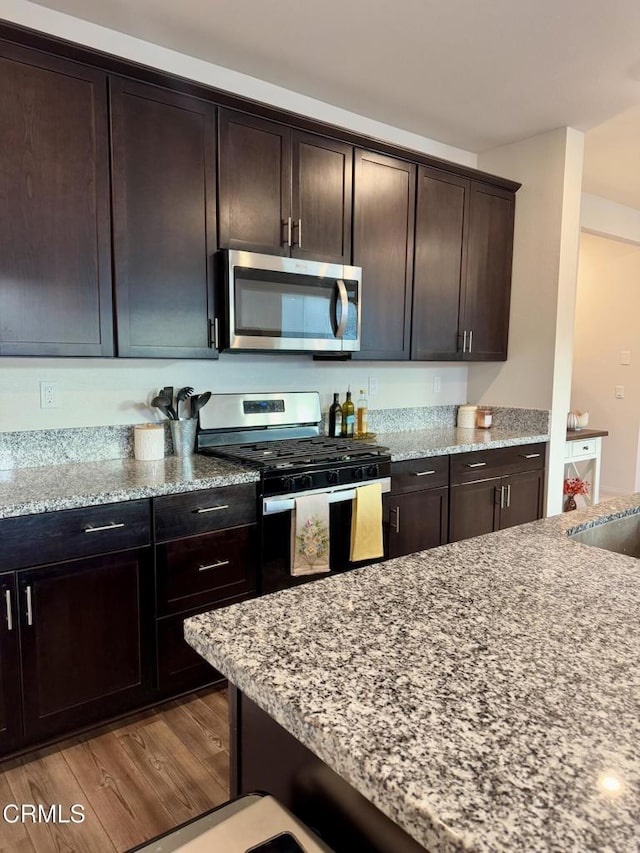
181, 396
164, 404
198, 402
167, 392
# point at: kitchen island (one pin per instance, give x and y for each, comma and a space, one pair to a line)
484, 695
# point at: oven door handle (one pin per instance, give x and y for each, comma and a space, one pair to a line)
344, 308
285, 503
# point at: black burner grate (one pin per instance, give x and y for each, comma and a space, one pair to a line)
298, 451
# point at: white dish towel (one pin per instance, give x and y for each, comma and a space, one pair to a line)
310, 535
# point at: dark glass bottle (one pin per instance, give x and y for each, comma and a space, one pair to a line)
335, 417
348, 417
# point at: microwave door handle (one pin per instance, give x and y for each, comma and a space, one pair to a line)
344, 308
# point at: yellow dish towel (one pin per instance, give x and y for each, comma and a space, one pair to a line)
366, 523
310, 535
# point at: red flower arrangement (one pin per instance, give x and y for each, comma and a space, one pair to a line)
575, 486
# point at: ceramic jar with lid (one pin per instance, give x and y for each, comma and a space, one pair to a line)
467, 416
484, 417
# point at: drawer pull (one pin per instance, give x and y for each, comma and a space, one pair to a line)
113, 526
422, 473
217, 565
7, 597
29, 606
211, 508
530, 455
476, 464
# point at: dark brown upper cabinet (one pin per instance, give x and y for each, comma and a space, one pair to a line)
55, 241
282, 191
441, 214
164, 234
462, 282
487, 294
383, 234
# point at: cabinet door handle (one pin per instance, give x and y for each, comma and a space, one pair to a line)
530, 455
508, 495
288, 224
396, 526
299, 233
7, 598
501, 496
476, 464
422, 473
213, 566
112, 526
211, 508
464, 341
27, 592
470, 340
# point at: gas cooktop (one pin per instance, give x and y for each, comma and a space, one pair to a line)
294, 452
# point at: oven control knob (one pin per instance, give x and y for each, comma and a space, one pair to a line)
305, 481
288, 483
332, 477
373, 471
357, 473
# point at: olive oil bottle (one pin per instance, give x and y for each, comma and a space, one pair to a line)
348, 417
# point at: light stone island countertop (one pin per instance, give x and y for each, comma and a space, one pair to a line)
25, 491
415, 444
484, 695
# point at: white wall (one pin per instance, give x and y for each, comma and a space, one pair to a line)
609, 219
607, 312
95, 392
100, 391
547, 227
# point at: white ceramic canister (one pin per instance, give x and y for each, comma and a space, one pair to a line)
148, 442
467, 416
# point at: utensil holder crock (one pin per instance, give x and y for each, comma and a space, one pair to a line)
183, 435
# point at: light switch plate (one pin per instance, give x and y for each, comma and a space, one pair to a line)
619, 392
625, 356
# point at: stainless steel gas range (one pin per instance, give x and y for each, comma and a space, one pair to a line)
279, 434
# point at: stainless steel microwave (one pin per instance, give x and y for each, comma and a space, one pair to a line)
274, 303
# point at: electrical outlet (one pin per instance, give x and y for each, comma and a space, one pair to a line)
437, 384
625, 356
373, 386
619, 392
47, 395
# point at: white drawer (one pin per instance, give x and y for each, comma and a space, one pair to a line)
584, 448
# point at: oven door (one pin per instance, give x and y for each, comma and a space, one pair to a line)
276, 539
278, 303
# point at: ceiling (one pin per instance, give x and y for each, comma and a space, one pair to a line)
470, 73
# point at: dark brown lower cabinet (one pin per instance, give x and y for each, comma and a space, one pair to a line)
10, 717
523, 498
495, 504
85, 640
415, 521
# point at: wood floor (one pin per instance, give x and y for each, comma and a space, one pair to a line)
135, 779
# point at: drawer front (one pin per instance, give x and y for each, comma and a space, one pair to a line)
418, 474
484, 464
206, 569
585, 448
52, 537
191, 513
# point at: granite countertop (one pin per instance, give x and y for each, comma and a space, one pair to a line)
25, 491
415, 444
485, 695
